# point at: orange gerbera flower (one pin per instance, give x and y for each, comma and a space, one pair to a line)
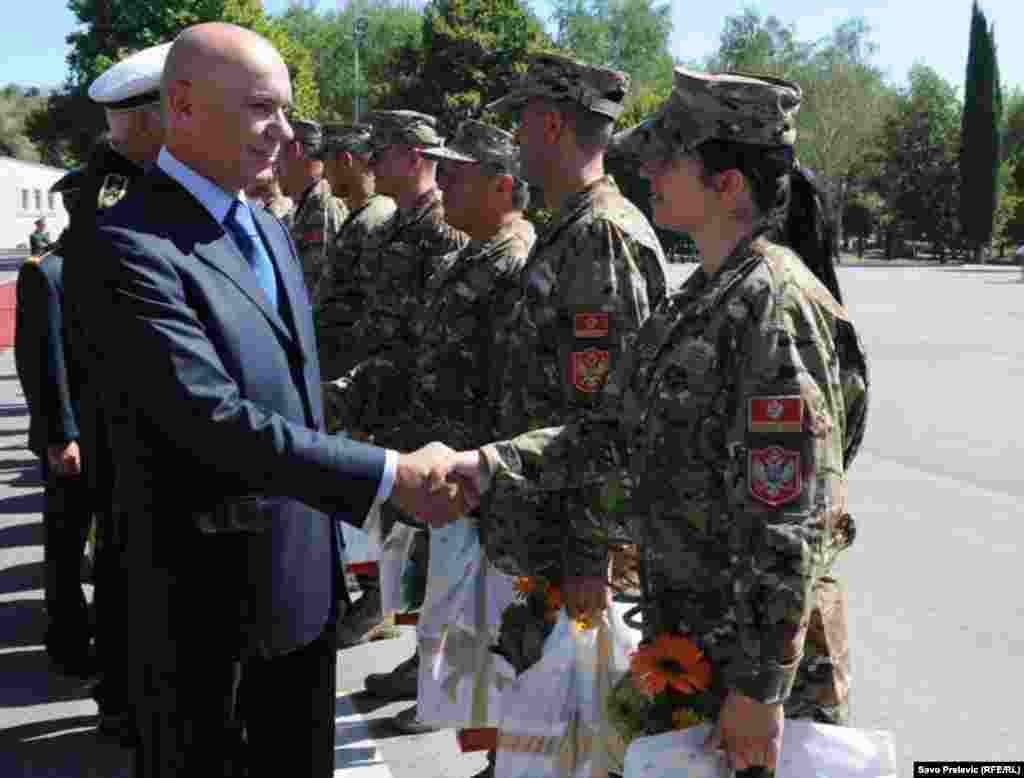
525, 585
670, 661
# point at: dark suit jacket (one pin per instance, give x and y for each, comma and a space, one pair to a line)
216, 396
47, 377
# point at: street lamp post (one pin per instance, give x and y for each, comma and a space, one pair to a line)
359, 29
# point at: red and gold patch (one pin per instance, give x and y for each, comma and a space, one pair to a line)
776, 414
590, 325
589, 369
312, 237
774, 475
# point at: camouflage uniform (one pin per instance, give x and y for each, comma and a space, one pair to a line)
380, 275
592, 279
436, 386
317, 216
723, 447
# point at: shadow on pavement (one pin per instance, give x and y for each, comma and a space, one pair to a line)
28, 678
29, 534
61, 747
21, 578
22, 624
31, 503
19, 464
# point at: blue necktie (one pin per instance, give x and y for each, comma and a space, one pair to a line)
240, 224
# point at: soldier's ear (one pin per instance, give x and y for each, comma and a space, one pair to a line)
505, 184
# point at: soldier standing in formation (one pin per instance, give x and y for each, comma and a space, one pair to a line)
39, 241
130, 94
337, 301
437, 384
52, 388
731, 424
593, 278
318, 215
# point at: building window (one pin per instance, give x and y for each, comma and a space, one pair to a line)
24, 199
39, 200
51, 198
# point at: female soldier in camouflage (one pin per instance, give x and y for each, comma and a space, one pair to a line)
724, 444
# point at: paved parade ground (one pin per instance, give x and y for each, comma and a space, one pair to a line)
937, 631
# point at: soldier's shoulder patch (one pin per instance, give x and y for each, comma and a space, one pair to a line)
312, 237
590, 325
589, 369
774, 475
776, 414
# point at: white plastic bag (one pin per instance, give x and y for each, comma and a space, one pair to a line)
460, 678
808, 749
362, 546
394, 556
553, 723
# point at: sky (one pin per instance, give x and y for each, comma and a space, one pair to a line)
33, 49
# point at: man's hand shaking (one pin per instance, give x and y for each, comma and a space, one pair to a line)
439, 485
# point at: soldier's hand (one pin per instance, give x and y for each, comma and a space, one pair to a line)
421, 489
749, 732
585, 597
65, 459
469, 470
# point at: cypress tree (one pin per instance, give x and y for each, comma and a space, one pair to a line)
979, 153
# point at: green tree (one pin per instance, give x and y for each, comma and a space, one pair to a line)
66, 128
473, 52
755, 44
979, 155
1012, 144
16, 104
914, 162
391, 24
629, 35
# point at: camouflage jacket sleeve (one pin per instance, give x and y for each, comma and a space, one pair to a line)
785, 483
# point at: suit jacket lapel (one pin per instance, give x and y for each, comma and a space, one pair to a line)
224, 256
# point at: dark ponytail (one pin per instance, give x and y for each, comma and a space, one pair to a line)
793, 211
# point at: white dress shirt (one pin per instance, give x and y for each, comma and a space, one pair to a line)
218, 202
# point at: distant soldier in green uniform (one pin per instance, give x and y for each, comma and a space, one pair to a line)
318, 215
725, 437
385, 282
436, 385
381, 280
39, 241
337, 299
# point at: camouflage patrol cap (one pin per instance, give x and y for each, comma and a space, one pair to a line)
478, 142
308, 133
758, 110
353, 138
407, 128
555, 77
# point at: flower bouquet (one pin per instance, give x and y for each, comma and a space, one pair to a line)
664, 690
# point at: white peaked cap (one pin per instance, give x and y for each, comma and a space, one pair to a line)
133, 81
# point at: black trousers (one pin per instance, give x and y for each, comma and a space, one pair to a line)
66, 518
192, 720
112, 604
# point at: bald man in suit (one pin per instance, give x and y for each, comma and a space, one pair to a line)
221, 455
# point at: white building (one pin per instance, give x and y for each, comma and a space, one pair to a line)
24, 197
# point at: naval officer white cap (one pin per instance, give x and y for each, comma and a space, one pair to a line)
132, 82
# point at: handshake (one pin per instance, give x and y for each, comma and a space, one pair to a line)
439, 485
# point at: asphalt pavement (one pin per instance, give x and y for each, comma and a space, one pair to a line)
936, 631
